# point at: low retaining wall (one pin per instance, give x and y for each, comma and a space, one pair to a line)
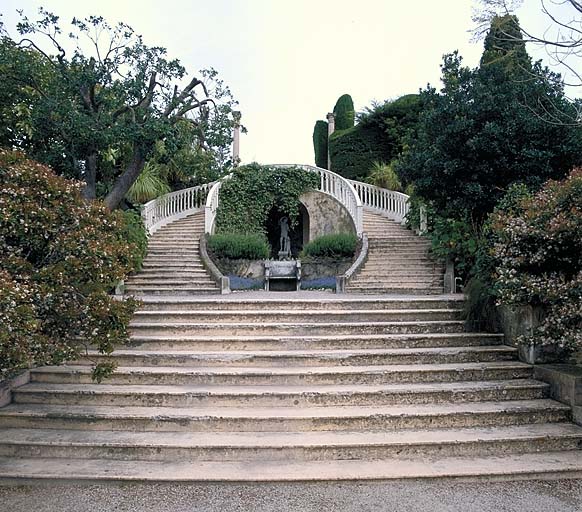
250, 274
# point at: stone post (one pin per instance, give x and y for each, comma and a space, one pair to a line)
330, 130
236, 139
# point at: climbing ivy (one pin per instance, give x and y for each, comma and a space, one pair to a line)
253, 190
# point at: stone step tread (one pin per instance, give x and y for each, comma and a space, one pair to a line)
297, 312
323, 337
459, 368
263, 440
252, 390
283, 413
332, 355
332, 299
425, 323
564, 463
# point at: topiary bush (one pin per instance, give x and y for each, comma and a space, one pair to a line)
253, 190
60, 257
337, 245
354, 151
320, 143
344, 112
237, 246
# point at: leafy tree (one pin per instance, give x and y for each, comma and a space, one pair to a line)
477, 135
344, 113
383, 175
320, 143
97, 115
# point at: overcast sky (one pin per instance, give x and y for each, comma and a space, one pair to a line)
287, 61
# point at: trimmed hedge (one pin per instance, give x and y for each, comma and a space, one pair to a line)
354, 151
320, 143
238, 246
342, 244
344, 113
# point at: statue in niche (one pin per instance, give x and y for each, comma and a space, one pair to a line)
284, 240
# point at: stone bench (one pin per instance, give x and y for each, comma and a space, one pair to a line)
282, 271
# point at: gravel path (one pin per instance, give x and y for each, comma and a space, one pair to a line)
413, 496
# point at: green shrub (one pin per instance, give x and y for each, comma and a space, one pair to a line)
344, 112
60, 257
384, 176
538, 255
339, 245
134, 233
320, 143
354, 151
238, 246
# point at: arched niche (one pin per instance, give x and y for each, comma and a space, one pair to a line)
326, 216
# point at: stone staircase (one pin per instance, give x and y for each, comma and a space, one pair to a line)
398, 261
172, 265
260, 387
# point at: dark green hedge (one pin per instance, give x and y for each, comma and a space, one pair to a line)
344, 113
353, 151
320, 143
236, 246
342, 244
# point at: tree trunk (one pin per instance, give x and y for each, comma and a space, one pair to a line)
126, 180
90, 191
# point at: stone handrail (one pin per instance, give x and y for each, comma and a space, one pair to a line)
340, 189
342, 281
394, 204
173, 206
211, 207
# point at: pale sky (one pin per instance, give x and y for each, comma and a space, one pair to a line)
287, 61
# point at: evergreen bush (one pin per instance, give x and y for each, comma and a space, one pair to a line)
320, 143
338, 246
238, 246
344, 113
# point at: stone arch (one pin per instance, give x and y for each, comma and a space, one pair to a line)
326, 215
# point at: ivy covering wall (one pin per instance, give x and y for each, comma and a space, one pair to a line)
254, 190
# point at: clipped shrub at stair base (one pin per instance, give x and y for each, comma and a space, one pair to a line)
336, 245
60, 257
236, 246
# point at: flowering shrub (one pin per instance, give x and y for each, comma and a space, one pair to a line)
60, 257
538, 254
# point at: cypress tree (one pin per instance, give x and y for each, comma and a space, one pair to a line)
320, 143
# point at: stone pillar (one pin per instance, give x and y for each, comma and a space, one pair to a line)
236, 139
330, 130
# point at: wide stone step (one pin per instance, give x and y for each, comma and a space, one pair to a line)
168, 281
333, 302
284, 419
169, 290
307, 358
299, 342
286, 328
156, 274
286, 446
293, 315
388, 290
289, 376
565, 464
289, 396
173, 265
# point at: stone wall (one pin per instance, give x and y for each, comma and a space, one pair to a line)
326, 215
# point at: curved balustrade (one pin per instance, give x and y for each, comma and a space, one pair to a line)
353, 195
394, 204
174, 205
